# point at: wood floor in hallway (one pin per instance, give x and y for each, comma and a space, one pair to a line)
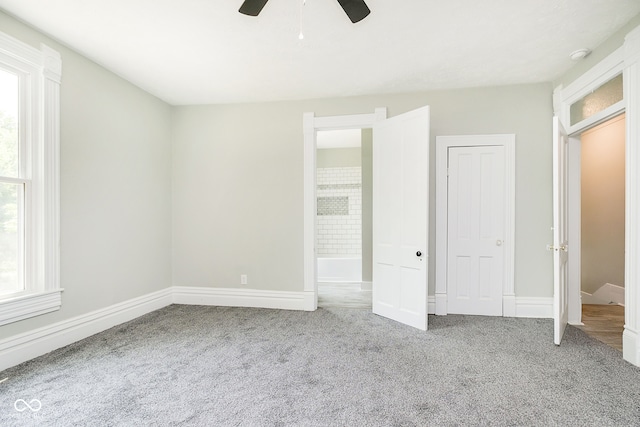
604, 323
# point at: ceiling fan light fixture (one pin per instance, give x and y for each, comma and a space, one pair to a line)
252, 7
356, 10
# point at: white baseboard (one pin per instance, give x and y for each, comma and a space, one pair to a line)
605, 295
26, 346
512, 306
509, 306
440, 304
431, 304
540, 307
20, 348
587, 298
630, 349
231, 297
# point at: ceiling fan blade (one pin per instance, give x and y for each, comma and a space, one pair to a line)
356, 10
252, 7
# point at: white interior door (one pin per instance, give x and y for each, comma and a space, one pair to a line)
475, 230
560, 244
400, 217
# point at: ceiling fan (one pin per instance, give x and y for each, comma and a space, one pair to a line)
356, 10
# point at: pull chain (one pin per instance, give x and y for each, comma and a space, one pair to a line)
301, 35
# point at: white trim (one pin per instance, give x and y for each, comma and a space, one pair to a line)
50, 146
597, 118
606, 294
574, 229
366, 286
509, 306
20, 51
626, 60
595, 77
440, 300
630, 339
535, 307
40, 72
310, 126
26, 346
443, 143
601, 73
232, 297
431, 304
51, 63
29, 305
354, 121
309, 183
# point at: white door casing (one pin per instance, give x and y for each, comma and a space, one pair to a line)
626, 59
476, 230
507, 208
400, 217
311, 125
560, 243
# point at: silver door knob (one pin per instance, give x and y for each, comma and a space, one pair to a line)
498, 242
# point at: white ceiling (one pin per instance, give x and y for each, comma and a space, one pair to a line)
204, 51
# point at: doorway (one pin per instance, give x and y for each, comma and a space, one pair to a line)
312, 125
400, 210
475, 213
343, 218
623, 61
602, 230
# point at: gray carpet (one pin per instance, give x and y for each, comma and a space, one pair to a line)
189, 365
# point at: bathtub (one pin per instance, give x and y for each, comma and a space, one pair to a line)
332, 269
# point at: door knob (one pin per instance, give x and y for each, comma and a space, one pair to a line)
418, 253
498, 242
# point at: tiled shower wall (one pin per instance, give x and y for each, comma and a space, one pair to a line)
339, 201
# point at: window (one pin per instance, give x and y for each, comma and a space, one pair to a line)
29, 177
600, 99
11, 188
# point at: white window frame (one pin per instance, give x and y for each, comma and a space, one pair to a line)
40, 72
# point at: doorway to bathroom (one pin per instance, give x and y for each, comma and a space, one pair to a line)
343, 217
400, 210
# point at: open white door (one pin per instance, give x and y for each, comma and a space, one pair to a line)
560, 244
400, 217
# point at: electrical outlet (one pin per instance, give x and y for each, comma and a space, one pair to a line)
243, 279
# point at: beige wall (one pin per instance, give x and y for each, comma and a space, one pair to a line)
238, 193
603, 203
338, 157
115, 187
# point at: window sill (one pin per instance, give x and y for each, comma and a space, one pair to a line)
25, 306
